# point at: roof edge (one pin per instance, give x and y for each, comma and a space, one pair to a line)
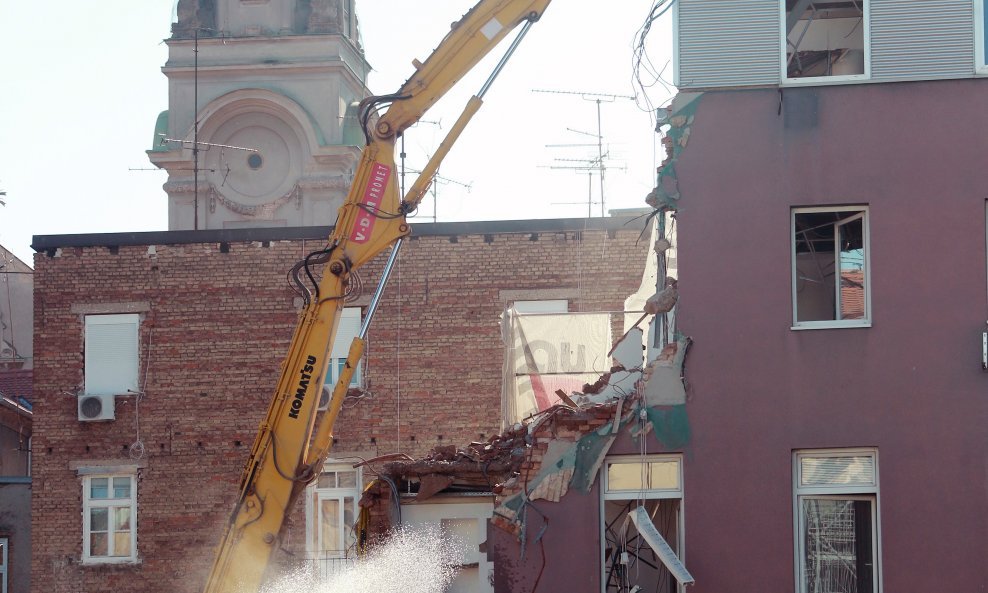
41, 243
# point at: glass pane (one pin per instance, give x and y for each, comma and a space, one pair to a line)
654, 475
98, 544
98, 519
628, 557
347, 479
121, 519
837, 540
121, 487
329, 525
121, 544
99, 488
849, 470
327, 480
826, 39
852, 272
348, 517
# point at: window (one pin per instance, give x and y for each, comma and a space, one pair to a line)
3, 564
109, 516
830, 267
825, 40
348, 329
550, 306
836, 510
642, 531
330, 517
348, 18
111, 354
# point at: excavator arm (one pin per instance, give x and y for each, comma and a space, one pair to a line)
290, 446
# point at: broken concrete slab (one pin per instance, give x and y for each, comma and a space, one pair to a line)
664, 376
628, 350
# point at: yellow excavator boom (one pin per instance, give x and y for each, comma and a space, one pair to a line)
290, 447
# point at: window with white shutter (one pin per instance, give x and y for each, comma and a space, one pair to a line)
111, 354
347, 330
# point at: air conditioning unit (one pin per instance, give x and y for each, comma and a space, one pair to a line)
324, 396
94, 408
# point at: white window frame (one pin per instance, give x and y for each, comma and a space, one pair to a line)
980, 67
860, 491
824, 80
794, 272
4, 558
607, 494
315, 496
88, 503
129, 370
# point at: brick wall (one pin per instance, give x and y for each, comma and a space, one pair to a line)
216, 321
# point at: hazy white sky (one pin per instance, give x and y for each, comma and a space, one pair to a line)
82, 87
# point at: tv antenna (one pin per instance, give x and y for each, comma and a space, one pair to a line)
598, 98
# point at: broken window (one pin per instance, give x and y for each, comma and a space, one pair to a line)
111, 344
109, 518
642, 525
837, 518
830, 267
825, 39
330, 517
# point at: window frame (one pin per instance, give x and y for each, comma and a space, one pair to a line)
980, 30
784, 79
88, 503
4, 560
606, 494
312, 513
861, 491
866, 320
132, 367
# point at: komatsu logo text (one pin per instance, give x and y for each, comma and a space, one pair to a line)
303, 384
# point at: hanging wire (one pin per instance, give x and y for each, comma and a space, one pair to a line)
646, 75
137, 449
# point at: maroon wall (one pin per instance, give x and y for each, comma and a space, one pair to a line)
910, 385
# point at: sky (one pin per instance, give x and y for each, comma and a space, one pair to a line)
82, 87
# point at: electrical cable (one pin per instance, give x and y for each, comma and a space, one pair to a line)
640, 60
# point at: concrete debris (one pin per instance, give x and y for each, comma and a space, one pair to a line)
664, 300
432, 484
663, 377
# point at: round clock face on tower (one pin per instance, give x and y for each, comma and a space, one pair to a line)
266, 170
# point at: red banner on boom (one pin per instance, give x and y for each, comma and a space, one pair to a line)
373, 196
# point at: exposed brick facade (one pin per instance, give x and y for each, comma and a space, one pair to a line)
216, 319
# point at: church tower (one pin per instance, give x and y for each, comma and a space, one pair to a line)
261, 104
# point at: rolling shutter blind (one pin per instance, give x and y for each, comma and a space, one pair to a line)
851, 470
728, 43
921, 40
111, 354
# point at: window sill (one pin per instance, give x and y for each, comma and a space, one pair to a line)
831, 325
824, 80
112, 562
